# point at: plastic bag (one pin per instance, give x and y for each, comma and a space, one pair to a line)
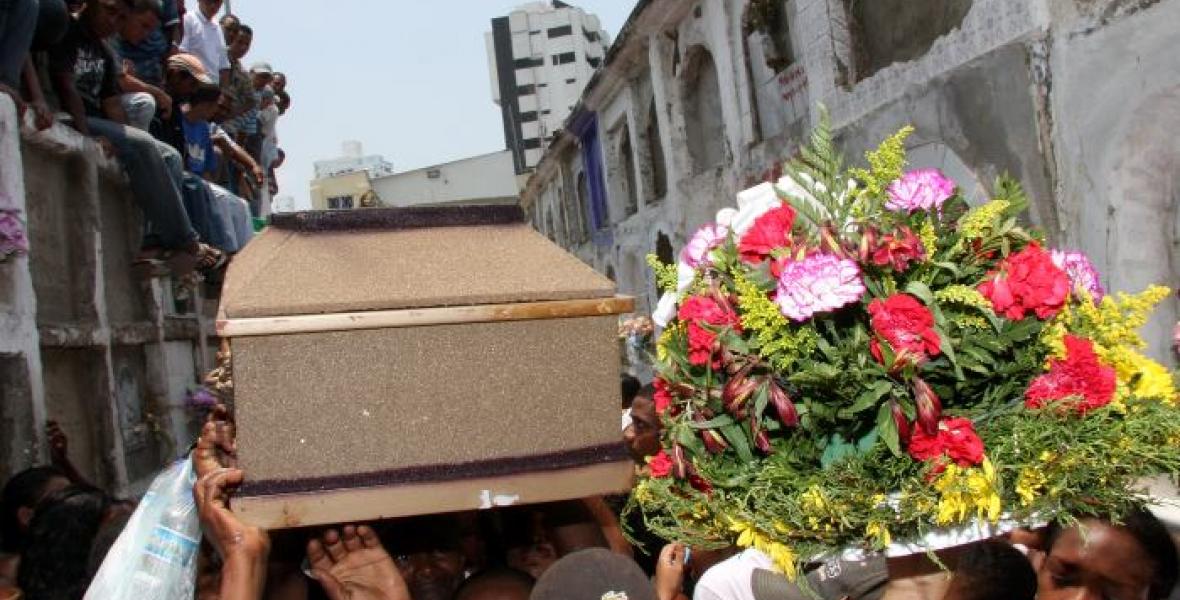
155, 558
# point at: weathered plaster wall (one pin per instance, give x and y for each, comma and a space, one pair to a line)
81, 340
1079, 99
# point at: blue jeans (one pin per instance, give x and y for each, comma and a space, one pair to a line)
157, 174
18, 23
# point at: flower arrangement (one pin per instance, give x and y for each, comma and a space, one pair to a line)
856, 356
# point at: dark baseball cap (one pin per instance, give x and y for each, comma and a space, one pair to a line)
594, 574
832, 580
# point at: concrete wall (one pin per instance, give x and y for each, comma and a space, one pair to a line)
479, 179
81, 341
1079, 99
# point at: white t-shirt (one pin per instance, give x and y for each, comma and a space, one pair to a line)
204, 39
730, 579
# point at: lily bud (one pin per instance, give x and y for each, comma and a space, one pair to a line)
899, 419
868, 243
762, 442
738, 390
929, 406
714, 442
783, 405
681, 467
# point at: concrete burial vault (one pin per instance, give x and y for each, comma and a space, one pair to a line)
393, 362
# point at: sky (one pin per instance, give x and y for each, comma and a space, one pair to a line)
407, 78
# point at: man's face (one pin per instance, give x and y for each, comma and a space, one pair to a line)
432, 575
261, 80
225, 105
104, 17
137, 26
229, 28
280, 82
240, 45
210, 7
1104, 561
643, 434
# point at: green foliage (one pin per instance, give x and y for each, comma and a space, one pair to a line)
666, 277
775, 338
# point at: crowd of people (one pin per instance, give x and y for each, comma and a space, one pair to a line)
57, 529
166, 91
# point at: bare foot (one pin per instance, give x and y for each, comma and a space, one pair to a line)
355, 566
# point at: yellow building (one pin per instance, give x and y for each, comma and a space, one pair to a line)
344, 191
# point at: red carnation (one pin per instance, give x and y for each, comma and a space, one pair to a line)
955, 438
662, 397
1081, 378
907, 326
698, 310
898, 250
769, 232
1027, 281
660, 465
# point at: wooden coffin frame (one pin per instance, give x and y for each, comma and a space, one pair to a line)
606, 473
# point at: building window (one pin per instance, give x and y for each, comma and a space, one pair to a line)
655, 154
528, 63
564, 58
631, 194
702, 100
562, 31
525, 90
528, 117
339, 202
532, 143
591, 36
594, 62
571, 81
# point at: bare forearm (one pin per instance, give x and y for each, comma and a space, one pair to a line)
33, 82
243, 577
132, 84
71, 101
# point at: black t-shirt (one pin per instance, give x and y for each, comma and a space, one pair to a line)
92, 62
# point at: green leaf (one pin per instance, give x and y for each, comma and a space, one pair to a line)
838, 449
920, 291
944, 343
887, 428
761, 399
714, 423
868, 399
736, 436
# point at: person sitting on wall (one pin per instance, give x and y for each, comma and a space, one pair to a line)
141, 98
85, 72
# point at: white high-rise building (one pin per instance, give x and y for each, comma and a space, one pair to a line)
540, 57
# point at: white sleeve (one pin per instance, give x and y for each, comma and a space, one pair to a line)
223, 54
186, 40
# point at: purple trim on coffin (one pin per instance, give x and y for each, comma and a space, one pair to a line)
497, 467
392, 219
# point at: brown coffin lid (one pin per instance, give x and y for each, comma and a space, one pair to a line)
324, 262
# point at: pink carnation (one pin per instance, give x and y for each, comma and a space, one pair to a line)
13, 241
696, 253
921, 189
818, 283
1082, 274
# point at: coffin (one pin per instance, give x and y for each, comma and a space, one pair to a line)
393, 362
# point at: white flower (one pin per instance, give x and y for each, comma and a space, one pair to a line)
725, 216
752, 203
666, 310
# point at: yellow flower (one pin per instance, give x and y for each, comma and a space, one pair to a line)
1030, 484
778, 341
963, 295
981, 220
929, 239
963, 490
879, 534
749, 537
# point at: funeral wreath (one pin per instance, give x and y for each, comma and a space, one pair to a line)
852, 358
